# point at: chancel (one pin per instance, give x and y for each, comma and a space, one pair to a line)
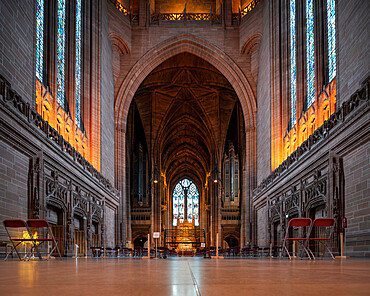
226, 139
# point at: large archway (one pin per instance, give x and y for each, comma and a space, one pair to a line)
199, 47
183, 138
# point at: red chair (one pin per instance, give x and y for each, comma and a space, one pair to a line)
48, 237
328, 224
296, 222
19, 223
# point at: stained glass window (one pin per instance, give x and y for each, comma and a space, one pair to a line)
331, 39
185, 189
193, 204
310, 53
293, 63
39, 39
78, 63
61, 18
177, 202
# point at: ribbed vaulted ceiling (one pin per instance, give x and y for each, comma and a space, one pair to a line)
185, 105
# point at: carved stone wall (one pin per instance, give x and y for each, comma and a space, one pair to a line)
328, 170
44, 177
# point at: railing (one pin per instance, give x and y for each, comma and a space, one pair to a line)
121, 8
175, 236
141, 210
249, 7
237, 17
185, 17
132, 18
13, 100
360, 97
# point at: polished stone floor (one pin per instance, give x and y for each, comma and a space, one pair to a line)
185, 276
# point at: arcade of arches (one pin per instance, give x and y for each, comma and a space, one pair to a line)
212, 123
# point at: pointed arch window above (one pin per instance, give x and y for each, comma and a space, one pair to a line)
185, 200
332, 55
61, 20
40, 39
78, 63
293, 61
310, 53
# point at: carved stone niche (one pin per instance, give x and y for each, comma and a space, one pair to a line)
35, 187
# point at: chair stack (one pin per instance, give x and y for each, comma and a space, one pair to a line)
40, 224
304, 240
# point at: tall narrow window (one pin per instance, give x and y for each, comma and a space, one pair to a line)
40, 39
78, 63
178, 204
61, 19
193, 204
185, 190
332, 56
310, 53
293, 63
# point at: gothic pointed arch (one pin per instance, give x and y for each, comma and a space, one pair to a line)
192, 44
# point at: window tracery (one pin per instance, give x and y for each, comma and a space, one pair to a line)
332, 56
51, 96
78, 63
293, 61
61, 19
185, 199
315, 107
310, 53
39, 39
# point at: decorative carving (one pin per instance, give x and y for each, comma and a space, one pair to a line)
34, 186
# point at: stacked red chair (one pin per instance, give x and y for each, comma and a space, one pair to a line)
329, 225
304, 223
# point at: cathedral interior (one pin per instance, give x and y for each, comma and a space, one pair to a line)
186, 129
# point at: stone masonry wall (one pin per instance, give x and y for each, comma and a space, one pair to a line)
263, 102
262, 239
107, 100
17, 46
109, 220
353, 43
357, 200
13, 183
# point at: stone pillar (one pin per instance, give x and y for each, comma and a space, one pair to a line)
121, 177
143, 13
227, 5
250, 179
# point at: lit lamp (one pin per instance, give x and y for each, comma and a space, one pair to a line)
215, 174
155, 176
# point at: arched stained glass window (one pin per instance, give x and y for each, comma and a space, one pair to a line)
78, 62
310, 53
39, 39
185, 199
61, 19
293, 63
332, 55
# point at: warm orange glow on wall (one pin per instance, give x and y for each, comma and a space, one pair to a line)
121, 7
58, 119
313, 118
